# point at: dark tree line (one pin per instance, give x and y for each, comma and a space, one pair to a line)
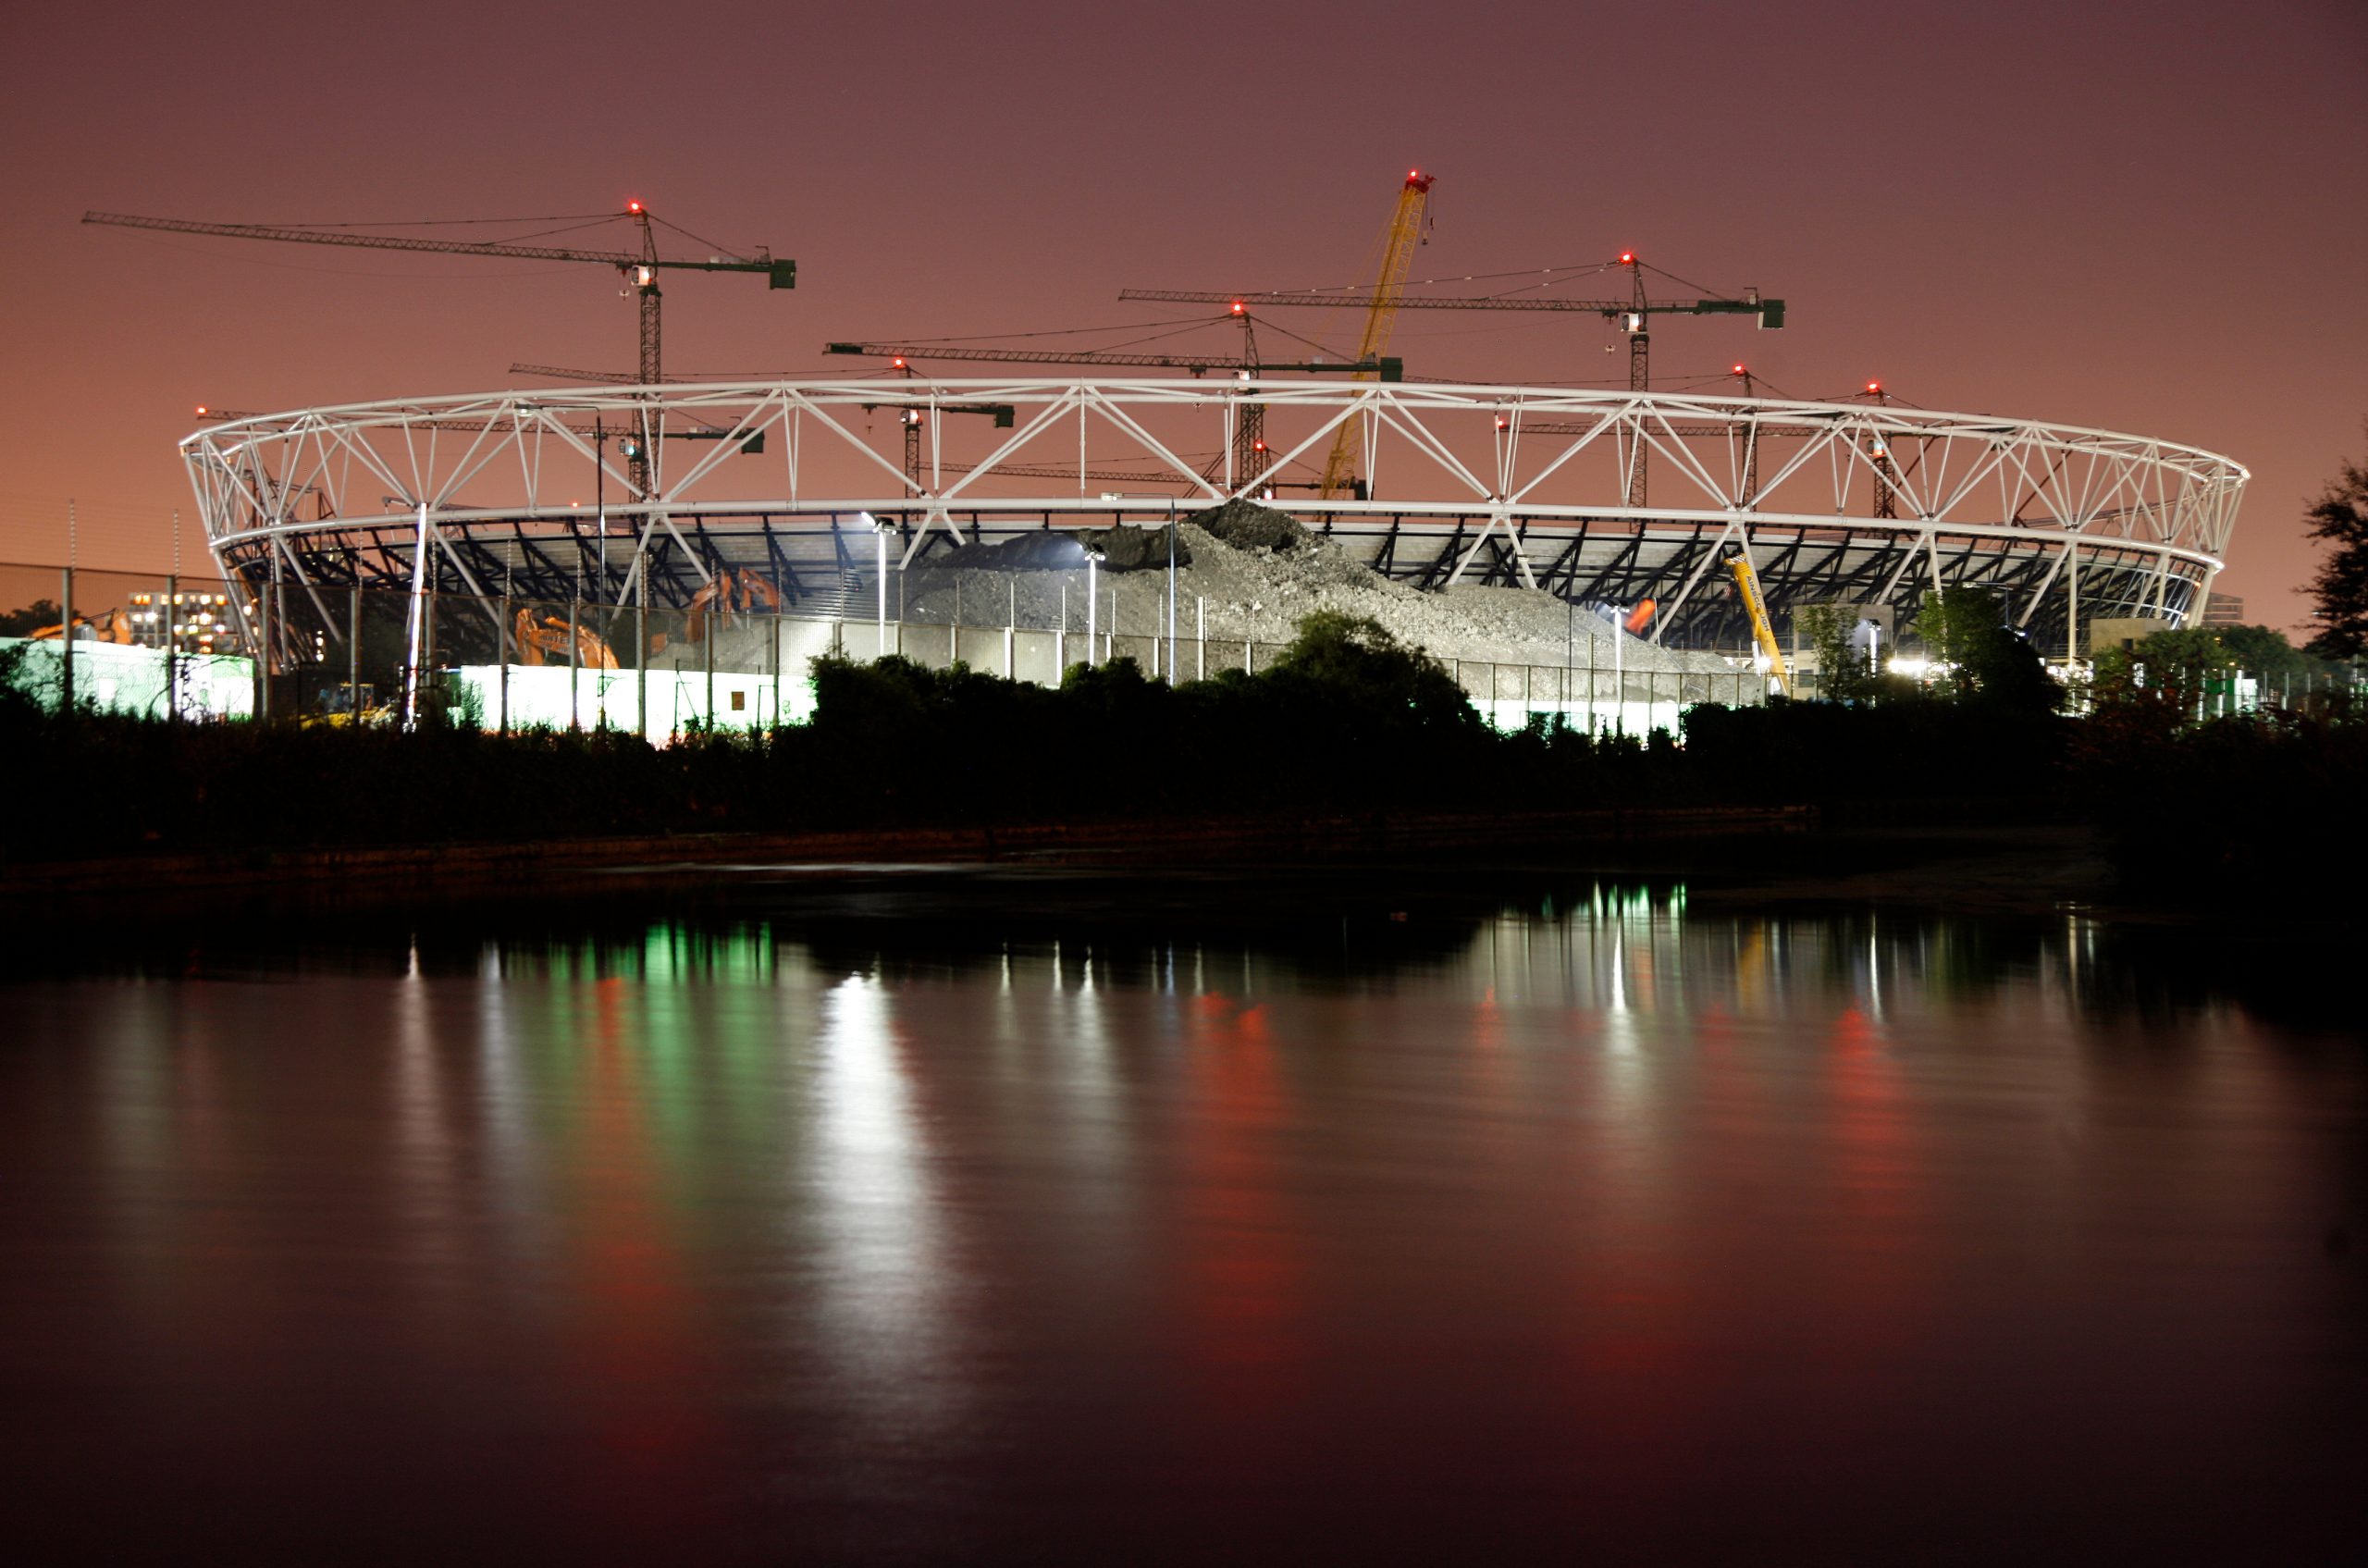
2339, 520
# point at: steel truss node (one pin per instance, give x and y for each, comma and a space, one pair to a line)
642, 494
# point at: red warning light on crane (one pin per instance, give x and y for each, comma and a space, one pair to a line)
1240, 309
632, 207
1738, 370
896, 363
1627, 258
1874, 386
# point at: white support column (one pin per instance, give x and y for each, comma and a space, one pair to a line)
411, 653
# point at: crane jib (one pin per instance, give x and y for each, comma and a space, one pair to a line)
778, 274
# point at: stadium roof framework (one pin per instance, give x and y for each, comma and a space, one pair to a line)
541, 492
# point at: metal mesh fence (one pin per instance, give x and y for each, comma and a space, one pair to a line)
195, 649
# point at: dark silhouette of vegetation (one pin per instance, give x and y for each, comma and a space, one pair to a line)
1991, 665
2340, 520
29, 619
1346, 721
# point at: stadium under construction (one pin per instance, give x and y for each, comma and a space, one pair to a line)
625, 495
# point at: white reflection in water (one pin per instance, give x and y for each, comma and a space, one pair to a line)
884, 1281
424, 1154
514, 1187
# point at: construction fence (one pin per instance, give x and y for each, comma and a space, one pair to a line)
197, 648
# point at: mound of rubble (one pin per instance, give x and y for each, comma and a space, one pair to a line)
1249, 571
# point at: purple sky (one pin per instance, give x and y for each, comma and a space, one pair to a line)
2147, 218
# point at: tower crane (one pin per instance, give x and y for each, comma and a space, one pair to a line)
1631, 316
639, 267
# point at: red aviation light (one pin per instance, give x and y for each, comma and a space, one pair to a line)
1257, 446
1240, 309
1627, 258
1502, 422
201, 411
1874, 386
896, 363
634, 207
1738, 370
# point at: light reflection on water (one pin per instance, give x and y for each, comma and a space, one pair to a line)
1595, 1221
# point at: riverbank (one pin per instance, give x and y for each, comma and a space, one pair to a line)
544, 868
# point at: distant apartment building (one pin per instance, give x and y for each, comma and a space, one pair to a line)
2224, 610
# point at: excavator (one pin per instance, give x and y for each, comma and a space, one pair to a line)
727, 594
548, 635
108, 625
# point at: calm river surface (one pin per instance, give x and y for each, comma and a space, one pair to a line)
971, 1218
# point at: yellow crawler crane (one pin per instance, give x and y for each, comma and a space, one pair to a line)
1748, 584
1398, 244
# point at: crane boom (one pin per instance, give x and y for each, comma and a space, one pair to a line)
1748, 584
1389, 370
780, 274
1771, 311
1398, 243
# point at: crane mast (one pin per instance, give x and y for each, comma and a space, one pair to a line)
1879, 457
1397, 242
1637, 324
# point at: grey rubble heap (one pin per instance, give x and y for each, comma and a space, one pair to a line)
1257, 571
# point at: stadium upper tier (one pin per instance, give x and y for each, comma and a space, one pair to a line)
622, 492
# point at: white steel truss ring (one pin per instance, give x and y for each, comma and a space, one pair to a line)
1516, 484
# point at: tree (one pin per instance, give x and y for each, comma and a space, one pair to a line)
2263, 650
2172, 669
1827, 628
31, 618
1366, 670
2340, 520
1991, 663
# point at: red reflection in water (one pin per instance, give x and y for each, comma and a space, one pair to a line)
639, 1370
1245, 1266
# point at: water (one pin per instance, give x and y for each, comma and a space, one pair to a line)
974, 1218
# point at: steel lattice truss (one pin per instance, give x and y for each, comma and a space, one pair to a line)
534, 491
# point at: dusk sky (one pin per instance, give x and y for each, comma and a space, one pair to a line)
2145, 218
